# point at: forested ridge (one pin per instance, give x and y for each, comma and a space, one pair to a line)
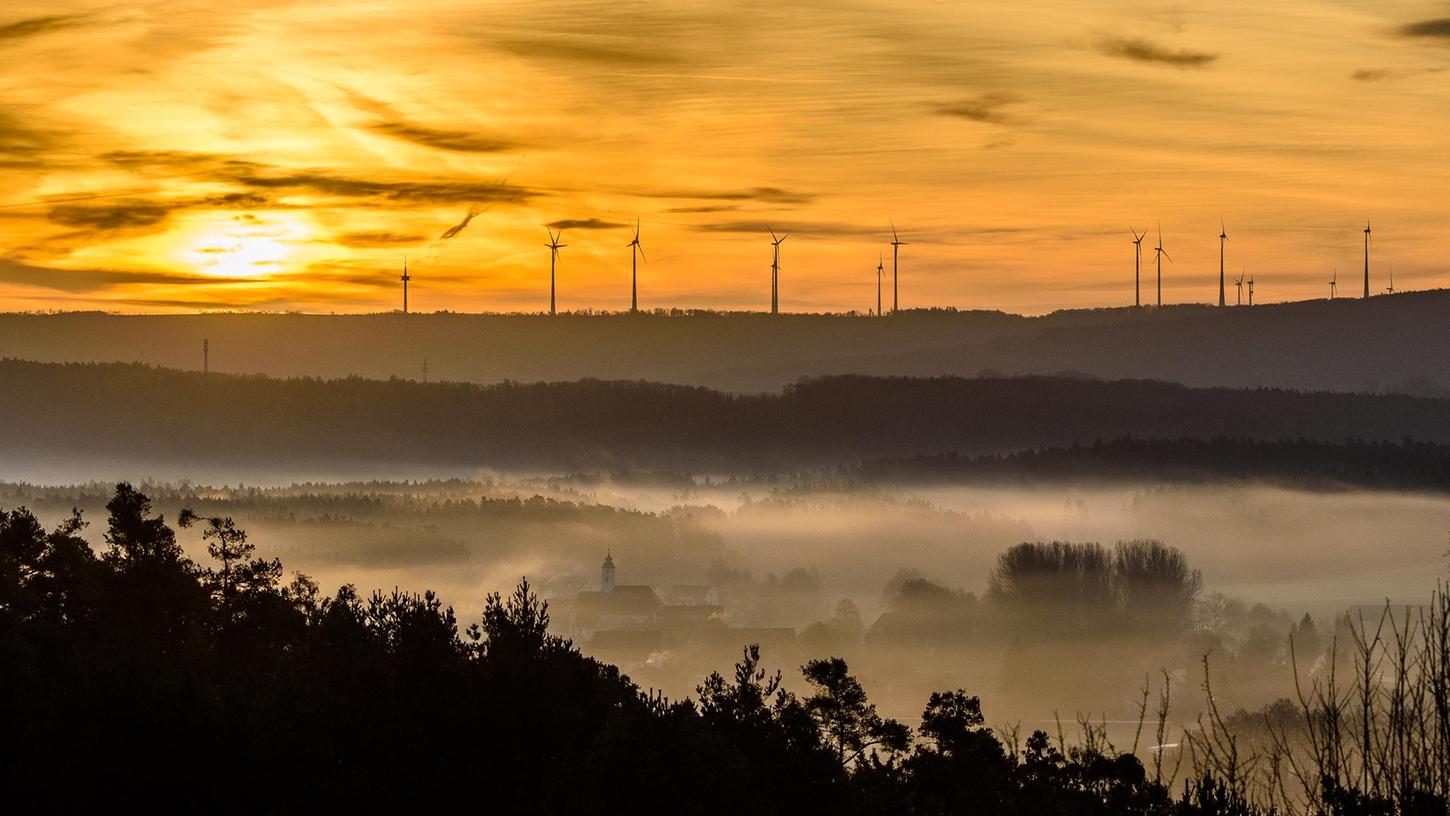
1404, 465
128, 410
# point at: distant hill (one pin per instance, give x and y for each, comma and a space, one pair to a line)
1394, 342
138, 413
1303, 463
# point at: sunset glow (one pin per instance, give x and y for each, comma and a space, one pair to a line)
180, 156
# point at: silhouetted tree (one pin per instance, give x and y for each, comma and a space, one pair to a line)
846, 718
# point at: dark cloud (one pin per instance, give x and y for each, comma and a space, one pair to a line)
94, 280
325, 183
461, 225
987, 107
1141, 50
1372, 74
40, 25
364, 240
1435, 29
21, 144
709, 208
794, 228
461, 141
259, 176
586, 224
767, 195
601, 50
114, 216
161, 159
1383, 74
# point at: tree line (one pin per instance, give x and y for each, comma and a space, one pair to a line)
1406, 464
136, 677
125, 410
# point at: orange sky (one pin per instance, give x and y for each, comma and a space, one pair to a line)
180, 156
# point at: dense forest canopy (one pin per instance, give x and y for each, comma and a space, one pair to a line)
116, 411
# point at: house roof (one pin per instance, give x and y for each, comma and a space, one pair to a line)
625, 599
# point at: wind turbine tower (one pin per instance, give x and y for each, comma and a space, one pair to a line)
1222, 239
775, 271
1137, 266
406, 277
638, 252
896, 244
1251, 291
1239, 297
1162, 253
554, 247
880, 273
1390, 290
1334, 284
1366, 260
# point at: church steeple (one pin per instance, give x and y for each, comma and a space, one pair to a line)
606, 574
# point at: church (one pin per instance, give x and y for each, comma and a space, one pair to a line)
627, 623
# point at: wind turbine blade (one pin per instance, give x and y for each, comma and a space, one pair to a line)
783, 237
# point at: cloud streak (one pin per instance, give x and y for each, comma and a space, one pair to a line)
986, 108
96, 280
1433, 29
458, 141
1141, 50
585, 224
35, 26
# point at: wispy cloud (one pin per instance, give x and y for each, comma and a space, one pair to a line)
987, 108
110, 216
832, 228
1385, 74
586, 224
1438, 28
460, 226
95, 280
767, 195
365, 240
1141, 50
602, 50
707, 208
460, 141
36, 26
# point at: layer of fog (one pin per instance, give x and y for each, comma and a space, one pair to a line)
1290, 550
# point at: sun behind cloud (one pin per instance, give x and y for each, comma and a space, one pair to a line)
226, 245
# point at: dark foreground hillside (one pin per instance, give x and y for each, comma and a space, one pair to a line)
140, 414
135, 680
1394, 342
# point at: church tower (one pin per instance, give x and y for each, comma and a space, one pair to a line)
606, 574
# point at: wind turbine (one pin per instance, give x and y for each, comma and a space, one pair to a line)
896, 243
554, 247
1137, 266
634, 256
1366, 259
1222, 239
1390, 290
1162, 253
775, 271
1239, 298
1334, 284
1251, 290
406, 277
880, 273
